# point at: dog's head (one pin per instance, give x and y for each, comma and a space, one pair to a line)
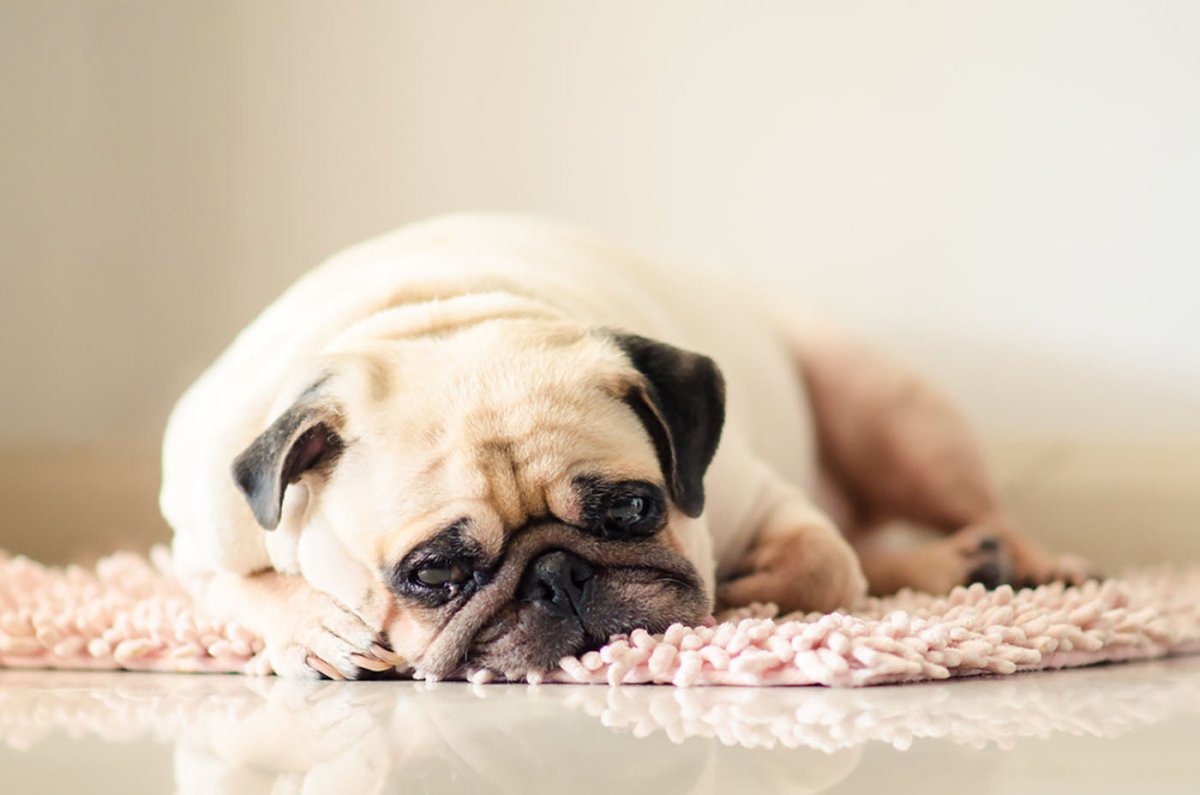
522, 486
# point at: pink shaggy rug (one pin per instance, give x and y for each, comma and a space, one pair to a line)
129, 613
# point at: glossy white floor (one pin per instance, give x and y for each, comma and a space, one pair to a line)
1124, 728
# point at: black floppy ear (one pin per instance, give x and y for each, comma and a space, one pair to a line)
682, 405
301, 439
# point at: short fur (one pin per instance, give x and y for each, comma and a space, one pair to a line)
461, 401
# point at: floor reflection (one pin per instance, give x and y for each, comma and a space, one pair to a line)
239, 734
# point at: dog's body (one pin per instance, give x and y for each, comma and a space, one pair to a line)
414, 354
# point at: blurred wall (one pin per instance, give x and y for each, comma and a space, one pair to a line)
1004, 192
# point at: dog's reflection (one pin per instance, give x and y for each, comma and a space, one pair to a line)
292, 736
284, 736
248, 735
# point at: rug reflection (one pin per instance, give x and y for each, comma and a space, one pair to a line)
242, 734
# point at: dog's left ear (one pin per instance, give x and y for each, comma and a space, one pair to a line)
301, 439
681, 401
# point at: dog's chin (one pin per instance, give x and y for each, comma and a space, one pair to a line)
525, 637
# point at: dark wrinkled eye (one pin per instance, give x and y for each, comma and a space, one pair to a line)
621, 510
625, 512
632, 514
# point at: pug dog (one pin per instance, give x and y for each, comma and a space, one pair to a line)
489, 442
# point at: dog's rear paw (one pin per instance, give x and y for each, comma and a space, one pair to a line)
999, 556
990, 554
1048, 567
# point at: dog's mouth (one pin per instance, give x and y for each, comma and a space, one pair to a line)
557, 596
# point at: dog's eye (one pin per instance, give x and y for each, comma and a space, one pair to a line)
434, 577
622, 510
440, 576
625, 514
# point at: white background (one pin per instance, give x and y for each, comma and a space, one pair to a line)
1005, 192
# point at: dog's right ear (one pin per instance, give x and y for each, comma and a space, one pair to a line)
302, 439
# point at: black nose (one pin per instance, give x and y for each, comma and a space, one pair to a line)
559, 581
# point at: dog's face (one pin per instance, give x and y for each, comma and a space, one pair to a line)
520, 486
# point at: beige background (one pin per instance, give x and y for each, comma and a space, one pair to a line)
1004, 192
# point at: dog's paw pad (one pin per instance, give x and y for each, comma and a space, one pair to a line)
988, 544
987, 563
989, 575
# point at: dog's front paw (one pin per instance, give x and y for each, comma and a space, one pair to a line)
313, 636
806, 569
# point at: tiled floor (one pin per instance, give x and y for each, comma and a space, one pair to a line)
1125, 728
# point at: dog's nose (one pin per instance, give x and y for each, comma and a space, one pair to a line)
559, 581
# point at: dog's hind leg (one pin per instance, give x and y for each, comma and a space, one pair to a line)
896, 449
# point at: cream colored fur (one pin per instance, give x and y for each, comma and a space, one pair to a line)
504, 298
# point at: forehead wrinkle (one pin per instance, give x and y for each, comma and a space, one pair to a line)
474, 527
454, 478
510, 449
527, 410
433, 466
495, 458
490, 537
394, 547
516, 475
